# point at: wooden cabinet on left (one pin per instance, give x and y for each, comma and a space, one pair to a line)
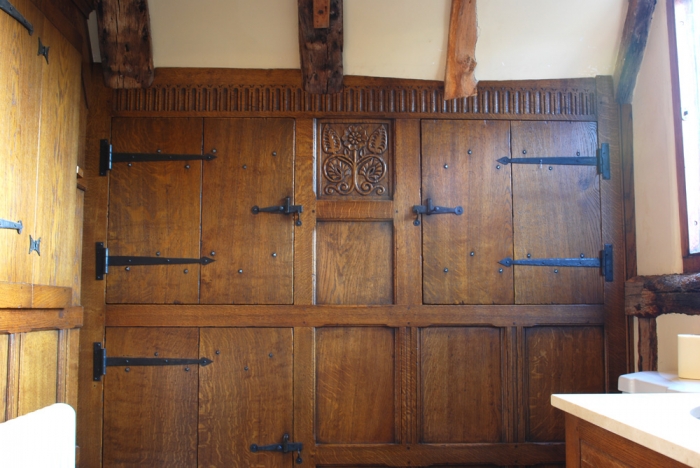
41, 206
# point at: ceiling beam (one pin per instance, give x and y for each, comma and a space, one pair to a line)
124, 30
321, 49
634, 41
461, 46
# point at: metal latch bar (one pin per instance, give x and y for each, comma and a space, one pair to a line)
601, 161
107, 157
103, 261
285, 209
5, 224
101, 361
605, 262
8, 8
284, 447
430, 209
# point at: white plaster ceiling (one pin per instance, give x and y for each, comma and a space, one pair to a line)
518, 39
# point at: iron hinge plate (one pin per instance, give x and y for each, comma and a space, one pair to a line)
604, 262
601, 161
8, 8
5, 224
108, 157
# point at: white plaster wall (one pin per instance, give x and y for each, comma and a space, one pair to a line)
656, 189
396, 38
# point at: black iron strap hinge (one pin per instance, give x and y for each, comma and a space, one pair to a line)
285, 209
107, 157
430, 209
8, 8
100, 361
601, 161
604, 262
103, 261
284, 447
5, 224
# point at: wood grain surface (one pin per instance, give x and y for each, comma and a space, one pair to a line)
38, 370
461, 253
150, 416
254, 253
246, 396
556, 213
155, 210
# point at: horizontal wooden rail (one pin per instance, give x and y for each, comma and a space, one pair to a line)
34, 296
27, 320
134, 315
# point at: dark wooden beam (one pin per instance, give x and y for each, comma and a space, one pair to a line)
321, 49
634, 41
124, 30
461, 44
322, 13
651, 296
647, 345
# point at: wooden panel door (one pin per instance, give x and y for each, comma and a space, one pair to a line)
245, 397
20, 105
150, 413
254, 253
556, 213
58, 156
154, 210
461, 253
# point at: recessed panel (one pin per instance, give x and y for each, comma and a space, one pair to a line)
355, 385
461, 385
354, 263
38, 367
559, 360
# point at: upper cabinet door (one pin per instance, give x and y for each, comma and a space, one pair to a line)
556, 213
154, 211
20, 108
253, 252
460, 252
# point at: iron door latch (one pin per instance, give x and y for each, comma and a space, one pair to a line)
8, 8
430, 209
107, 157
601, 161
100, 361
285, 209
103, 261
604, 262
284, 447
5, 224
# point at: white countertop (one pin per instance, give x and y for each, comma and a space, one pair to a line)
659, 421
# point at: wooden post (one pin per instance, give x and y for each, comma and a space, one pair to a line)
634, 41
461, 45
321, 50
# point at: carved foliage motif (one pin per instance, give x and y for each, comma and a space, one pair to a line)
355, 160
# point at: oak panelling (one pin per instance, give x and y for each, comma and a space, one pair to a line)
556, 213
20, 105
305, 195
26, 320
408, 256
277, 93
154, 210
357, 165
612, 211
314, 316
354, 210
4, 355
254, 253
38, 368
452, 176
32, 296
304, 389
461, 385
354, 263
356, 394
440, 454
558, 360
58, 155
245, 396
78, 246
72, 367
150, 413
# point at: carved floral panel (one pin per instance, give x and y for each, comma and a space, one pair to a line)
355, 160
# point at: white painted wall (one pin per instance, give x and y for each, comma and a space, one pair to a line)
396, 38
656, 189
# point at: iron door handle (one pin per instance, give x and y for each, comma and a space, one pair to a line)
430, 209
285, 447
285, 209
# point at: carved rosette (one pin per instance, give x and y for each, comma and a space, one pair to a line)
356, 163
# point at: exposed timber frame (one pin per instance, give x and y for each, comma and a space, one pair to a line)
321, 45
634, 41
460, 81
